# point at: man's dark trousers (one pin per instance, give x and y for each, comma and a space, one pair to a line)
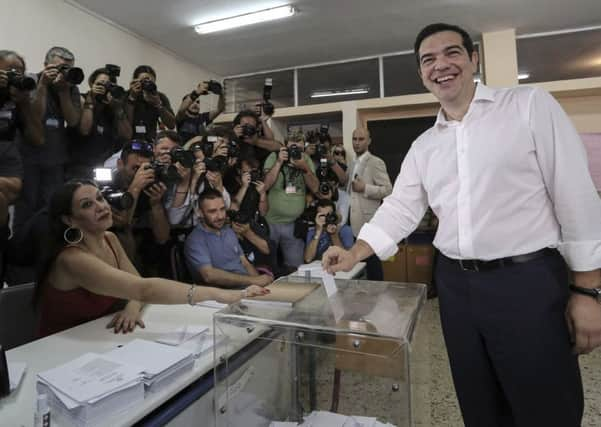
508, 343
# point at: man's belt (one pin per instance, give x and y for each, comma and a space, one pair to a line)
480, 265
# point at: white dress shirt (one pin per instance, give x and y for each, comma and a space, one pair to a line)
510, 178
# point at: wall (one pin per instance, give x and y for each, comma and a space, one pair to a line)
31, 27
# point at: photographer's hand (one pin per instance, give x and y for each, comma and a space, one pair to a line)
245, 180
358, 185
97, 90
120, 218
143, 178
202, 88
238, 131
154, 100
300, 164
282, 156
155, 193
215, 180
220, 149
48, 75
199, 168
135, 89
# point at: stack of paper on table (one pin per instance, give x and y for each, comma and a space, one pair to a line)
330, 419
159, 364
84, 391
15, 374
313, 269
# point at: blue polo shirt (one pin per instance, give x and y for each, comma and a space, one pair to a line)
216, 249
325, 241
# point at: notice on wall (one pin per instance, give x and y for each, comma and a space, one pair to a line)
592, 142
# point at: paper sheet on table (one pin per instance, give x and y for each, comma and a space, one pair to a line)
15, 373
181, 334
90, 376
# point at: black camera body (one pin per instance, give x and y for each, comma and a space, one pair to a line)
267, 107
331, 218
20, 81
248, 131
321, 150
183, 157
114, 71
73, 75
216, 164
256, 175
295, 152
115, 90
214, 87
239, 217
233, 149
167, 174
149, 86
324, 133
121, 200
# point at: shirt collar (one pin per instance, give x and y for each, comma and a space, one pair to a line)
204, 228
482, 94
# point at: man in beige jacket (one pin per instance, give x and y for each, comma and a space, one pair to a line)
368, 184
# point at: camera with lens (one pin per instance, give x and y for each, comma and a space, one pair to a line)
256, 175
248, 130
324, 175
331, 219
267, 107
215, 87
216, 164
19, 81
324, 133
149, 86
295, 152
116, 198
116, 91
167, 174
233, 150
239, 217
183, 157
73, 75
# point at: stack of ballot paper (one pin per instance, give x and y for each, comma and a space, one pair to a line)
158, 364
330, 419
313, 269
15, 374
84, 391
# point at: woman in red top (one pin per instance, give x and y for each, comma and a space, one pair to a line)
87, 271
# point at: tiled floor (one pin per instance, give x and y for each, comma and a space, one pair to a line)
435, 401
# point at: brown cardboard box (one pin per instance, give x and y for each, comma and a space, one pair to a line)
395, 268
420, 263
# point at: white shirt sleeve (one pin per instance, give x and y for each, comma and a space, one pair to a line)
563, 163
400, 213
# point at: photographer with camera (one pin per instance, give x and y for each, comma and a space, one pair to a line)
288, 175
247, 128
212, 251
146, 104
57, 103
249, 178
326, 232
104, 125
318, 148
190, 121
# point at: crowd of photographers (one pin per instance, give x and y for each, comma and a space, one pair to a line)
224, 205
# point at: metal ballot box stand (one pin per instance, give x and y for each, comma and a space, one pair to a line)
318, 357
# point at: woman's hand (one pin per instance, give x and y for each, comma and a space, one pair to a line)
126, 320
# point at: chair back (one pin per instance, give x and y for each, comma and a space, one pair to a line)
17, 315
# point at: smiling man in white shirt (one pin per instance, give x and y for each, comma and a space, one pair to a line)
506, 174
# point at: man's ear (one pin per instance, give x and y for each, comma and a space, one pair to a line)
475, 58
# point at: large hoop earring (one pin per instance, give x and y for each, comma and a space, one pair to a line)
70, 230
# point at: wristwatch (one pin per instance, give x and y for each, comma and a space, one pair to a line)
591, 292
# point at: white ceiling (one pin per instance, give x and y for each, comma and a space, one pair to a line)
326, 30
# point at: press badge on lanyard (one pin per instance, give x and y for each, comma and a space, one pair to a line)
290, 189
100, 130
6, 114
51, 122
140, 129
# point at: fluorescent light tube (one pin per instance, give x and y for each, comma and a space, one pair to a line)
523, 76
246, 19
339, 93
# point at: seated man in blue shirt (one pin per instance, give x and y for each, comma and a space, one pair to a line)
327, 232
212, 251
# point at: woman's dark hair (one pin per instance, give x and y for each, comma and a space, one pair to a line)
92, 78
246, 113
431, 29
144, 69
60, 205
6, 53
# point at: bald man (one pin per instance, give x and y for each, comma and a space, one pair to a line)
368, 184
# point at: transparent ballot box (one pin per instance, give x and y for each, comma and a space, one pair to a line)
318, 361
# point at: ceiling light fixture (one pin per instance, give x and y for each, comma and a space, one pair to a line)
245, 19
523, 76
345, 92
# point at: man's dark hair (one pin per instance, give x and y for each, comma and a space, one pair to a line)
128, 149
325, 203
170, 134
431, 29
209, 194
7, 53
245, 113
92, 78
144, 69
